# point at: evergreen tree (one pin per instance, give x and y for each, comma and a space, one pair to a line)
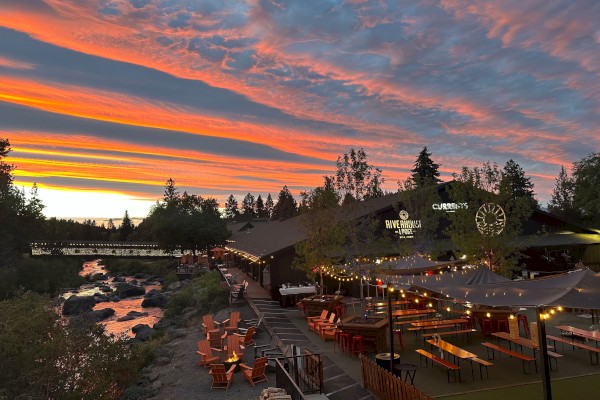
249, 207
231, 208
516, 184
425, 171
269, 206
171, 193
586, 175
261, 212
286, 205
126, 228
561, 202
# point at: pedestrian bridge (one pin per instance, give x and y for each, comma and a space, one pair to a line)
99, 248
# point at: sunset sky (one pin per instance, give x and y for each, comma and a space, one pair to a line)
104, 100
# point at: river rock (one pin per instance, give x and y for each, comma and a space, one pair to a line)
152, 292
105, 288
78, 304
163, 324
142, 332
158, 300
118, 279
125, 318
128, 290
132, 315
174, 286
101, 298
100, 315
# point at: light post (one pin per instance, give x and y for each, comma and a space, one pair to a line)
390, 289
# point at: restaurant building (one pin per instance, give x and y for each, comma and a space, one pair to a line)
266, 249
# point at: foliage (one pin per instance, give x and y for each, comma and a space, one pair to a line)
355, 178
249, 207
203, 293
475, 187
183, 221
286, 205
269, 206
586, 176
562, 201
136, 266
126, 228
231, 208
261, 211
425, 171
516, 184
42, 357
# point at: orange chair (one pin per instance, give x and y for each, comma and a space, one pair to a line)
207, 353
248, 338
234, 344
257, 372
210, 325
232, 322
221, 378
322, 316
314, 324
301, 308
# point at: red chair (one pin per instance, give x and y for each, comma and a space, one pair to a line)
357, 344
301, 309
487, 326
522, 319
398, 333
345, 341
341, 311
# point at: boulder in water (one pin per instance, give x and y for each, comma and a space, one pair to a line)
100, 315
78, 304
128, 290
152, 292
159, 300
142, 332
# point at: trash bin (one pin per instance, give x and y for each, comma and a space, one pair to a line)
383, 360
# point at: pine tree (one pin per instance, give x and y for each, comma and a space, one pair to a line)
249, 207
231, 208
126, 228
171, 195
261, 212
425, 171
269, 206
586, 175
561, 202
355, 178
286, 205
516, 183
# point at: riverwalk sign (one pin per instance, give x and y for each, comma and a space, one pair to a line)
404, 227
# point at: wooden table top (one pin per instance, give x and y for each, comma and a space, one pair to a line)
452, 349
411, 311
520, 340
394, 303
593, 335
439, 322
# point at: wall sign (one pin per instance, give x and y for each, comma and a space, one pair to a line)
404, 227
490, 219
449, 207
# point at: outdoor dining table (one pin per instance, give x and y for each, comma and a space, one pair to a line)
420, 324
291, 294
411, 312
584, 333
457, 352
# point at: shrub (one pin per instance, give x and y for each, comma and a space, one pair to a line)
151, 267
205, 294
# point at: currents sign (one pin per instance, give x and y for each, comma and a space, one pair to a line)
404, 227
449, 207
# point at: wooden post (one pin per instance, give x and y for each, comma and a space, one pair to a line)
389, 289
545, 360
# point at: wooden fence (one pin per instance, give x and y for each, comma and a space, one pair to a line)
385, 385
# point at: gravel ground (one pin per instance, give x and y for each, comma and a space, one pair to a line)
175, 374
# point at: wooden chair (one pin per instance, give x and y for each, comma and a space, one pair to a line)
221, 378
327, 326
232, 322
216, 339
252, 323
247, 339
317, 322
257, 372
322, 316
207, 353
210, 325
234, 343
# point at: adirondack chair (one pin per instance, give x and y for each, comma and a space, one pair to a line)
325, 327
256, 323
256, 373
221, 378
207, 353
314, 324
216, 339
234, 344
232, 322
247, 339
210, 325
311, 320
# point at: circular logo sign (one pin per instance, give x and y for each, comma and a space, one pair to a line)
403, 215
490, 219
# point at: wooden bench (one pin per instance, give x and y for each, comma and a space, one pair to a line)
524, 358
450, 367
467, 332
483, 364
593, 350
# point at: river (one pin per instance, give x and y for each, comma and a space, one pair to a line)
122, 307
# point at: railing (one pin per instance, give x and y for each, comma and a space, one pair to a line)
305, 372
284, 380
385, 385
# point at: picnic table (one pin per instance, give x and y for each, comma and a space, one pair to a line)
457, 352
583, 333
411, 312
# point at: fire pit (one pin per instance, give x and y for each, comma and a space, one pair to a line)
233, 360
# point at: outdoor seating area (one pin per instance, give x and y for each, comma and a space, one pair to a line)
223, 350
